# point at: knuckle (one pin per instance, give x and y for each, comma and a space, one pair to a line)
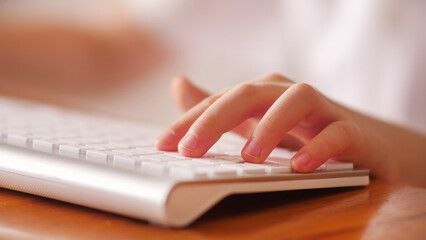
303, 89
274, 76
209, 100
348, 130
305, 92
245, 90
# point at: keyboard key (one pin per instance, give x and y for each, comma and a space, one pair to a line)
332, 165
278, 160
217, 171
99, 156
77, 151
273, 167
126, 161
281, 153
245, 168
175, 155
17, 140
137, 143
49, 145
137, 152
155, 167
235, 159
187, 172
153, 158
187, 163
214, 161
86, 140
107, 146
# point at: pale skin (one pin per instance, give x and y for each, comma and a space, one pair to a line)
275, 111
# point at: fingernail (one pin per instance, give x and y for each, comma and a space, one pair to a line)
166, 137
190, 142
303, 159
253, 148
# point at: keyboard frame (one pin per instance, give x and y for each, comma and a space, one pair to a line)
160, 200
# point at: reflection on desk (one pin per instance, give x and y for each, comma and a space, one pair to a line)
381, 210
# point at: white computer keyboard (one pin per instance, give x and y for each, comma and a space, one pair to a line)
126, 149
128, 145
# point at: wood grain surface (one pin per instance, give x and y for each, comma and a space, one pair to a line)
381, 210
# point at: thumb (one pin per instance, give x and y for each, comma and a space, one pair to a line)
185, 94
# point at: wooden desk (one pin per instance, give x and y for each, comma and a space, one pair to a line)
380, 211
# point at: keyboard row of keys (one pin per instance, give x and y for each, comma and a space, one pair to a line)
222, 160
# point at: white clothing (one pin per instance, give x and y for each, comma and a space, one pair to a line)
366, 54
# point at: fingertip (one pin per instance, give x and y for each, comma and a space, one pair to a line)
301, 162
304, 163
252, 152
296, 166
178, 80
164, 147
166, 141
250, 158
186, 151
189, 146
176, 86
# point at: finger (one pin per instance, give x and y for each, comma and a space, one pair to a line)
182, 90
292, 107
274, 78
185, 94
246, 128
169, 138
230, 110
337, 139
189, 98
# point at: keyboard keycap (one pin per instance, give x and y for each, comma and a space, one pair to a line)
137, 152
99, 156
274, 168
235, 159
213, 161
332, 165
77, 151
245, 168
217, 171
187, 172
17, 140
49, 145
107, 146
155, 167
126, 161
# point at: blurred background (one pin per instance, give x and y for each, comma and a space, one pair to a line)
118, 57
